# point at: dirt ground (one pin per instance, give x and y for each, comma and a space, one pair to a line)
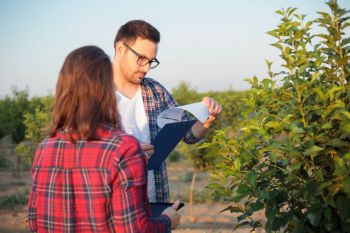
206, 217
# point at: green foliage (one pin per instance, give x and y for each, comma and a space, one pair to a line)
38, 120
24, 120
11, 201
185, 94
188, 177
229, 117
175, 156
12, 110
35, 121
291, 155
206, 195
5, 164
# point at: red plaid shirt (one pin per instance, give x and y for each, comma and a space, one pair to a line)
91, 186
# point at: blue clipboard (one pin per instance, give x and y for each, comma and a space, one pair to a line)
166, 140
157, 207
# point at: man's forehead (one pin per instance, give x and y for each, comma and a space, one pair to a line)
145, 47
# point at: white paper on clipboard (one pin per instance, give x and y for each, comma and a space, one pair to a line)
171, 115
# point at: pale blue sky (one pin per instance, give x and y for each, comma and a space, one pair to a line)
213, 45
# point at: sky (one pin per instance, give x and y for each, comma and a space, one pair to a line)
211, 45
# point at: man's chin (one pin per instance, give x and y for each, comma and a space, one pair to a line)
139, 79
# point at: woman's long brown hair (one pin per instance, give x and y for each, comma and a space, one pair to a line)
85, 94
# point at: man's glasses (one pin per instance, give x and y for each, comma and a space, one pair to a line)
142, 60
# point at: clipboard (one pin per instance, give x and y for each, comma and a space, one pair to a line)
158, 207
166, 140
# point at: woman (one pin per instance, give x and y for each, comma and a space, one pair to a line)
88, 175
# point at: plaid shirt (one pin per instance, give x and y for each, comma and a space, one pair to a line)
157, 99
91, 186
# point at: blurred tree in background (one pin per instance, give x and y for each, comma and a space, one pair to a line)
12, 110
22, 120
35, 121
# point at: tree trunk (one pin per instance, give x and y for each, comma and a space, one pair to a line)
192, 219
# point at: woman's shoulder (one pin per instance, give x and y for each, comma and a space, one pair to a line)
123, 137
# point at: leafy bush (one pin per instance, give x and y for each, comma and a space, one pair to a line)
5, 164
11, 201
291, 155
35, 122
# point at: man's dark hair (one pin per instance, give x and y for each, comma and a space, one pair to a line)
137, 28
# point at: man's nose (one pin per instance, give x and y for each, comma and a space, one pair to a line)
145, 68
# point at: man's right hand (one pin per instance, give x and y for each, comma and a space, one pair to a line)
147, 149
173, 214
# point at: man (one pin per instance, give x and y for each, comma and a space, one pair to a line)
141, 99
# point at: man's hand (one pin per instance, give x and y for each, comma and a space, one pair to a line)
147, 149
214, 109
173, 214
199, 129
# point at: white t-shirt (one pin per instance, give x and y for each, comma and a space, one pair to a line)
134, 121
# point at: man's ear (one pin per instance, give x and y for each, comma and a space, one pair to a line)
119, 48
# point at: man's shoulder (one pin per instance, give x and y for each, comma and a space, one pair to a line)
157, 92
153, 84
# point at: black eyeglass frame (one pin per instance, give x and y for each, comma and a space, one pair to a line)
143, 60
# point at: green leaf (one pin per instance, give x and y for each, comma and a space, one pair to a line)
274, 34
343, 205
344, 19
319, 175
315, 76
277, 45
347, 156
314, 216
251, 177
345, 127
273, 124
336, 142
296, 165
291, 11
270, 213
345, 41
232, 209
340, 168
345, 25
324, 15
345, 186
241, 225
324, 185
327, 126
346, 114
256, 206
313, 150
308, 24
241, 193
243, 216
327, 213
268, 63
280, 12
296, 130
